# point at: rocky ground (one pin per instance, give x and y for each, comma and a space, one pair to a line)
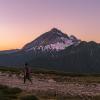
48, 85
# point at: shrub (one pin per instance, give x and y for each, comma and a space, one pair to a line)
7, 93
2, 87
12, 91
29, 97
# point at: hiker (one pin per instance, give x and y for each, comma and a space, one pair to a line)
27, 73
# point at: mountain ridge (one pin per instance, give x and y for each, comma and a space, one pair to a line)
53, 39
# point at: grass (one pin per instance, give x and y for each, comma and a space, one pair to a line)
11, 70
7, 93
12, 91
46, 71
29, 97
57, 76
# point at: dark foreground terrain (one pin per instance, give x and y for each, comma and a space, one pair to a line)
48, 86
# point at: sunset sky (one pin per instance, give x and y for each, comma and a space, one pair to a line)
21, 21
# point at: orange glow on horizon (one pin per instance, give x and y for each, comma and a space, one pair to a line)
19, 42
21, 21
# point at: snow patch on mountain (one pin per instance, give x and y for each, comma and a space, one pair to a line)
55, 46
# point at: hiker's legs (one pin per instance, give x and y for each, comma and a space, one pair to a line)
29, 79
24, 79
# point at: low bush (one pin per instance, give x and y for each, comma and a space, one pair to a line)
2, 87
29, 97
7, 93
12, 91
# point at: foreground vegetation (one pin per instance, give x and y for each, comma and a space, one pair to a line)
55, 75
46, 71
8, 93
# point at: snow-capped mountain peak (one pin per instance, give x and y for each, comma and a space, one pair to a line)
51, 40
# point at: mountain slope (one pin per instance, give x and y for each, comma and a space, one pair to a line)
52, 40
84, 58
9, 51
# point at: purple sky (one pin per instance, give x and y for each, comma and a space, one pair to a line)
23, 20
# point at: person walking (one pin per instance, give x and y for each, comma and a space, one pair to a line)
27, 73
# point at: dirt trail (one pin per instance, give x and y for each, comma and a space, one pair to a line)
49, 85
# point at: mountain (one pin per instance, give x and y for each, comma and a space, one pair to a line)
55, 50
52, 40
9, 51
